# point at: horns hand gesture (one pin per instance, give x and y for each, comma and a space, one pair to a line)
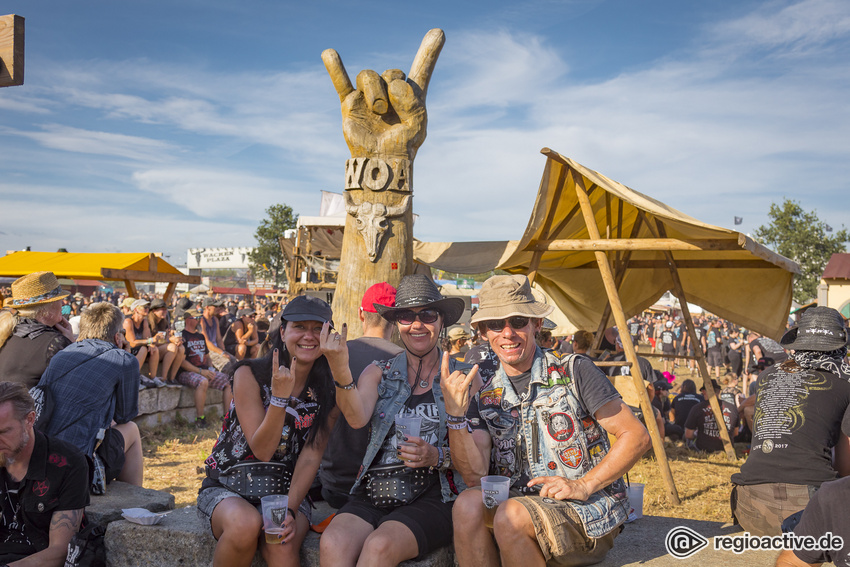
385, 115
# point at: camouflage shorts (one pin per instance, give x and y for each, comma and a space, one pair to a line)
761, 508
560, 533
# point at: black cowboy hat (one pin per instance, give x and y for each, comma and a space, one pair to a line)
820, 328
419, 290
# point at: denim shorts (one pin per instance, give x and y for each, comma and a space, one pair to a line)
209, 498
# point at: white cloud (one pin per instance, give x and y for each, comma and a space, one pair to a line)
59, 137
796, 28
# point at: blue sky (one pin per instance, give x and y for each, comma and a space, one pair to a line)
161, 126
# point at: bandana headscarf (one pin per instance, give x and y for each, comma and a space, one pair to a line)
834, 361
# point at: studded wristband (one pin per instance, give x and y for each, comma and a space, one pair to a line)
350, 386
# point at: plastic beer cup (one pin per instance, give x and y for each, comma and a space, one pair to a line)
494, 491
274, 514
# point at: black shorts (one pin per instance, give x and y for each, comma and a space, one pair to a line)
111, 452
428, 517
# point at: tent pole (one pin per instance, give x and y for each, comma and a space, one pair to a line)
631, 355
131, 288
620, 273
169, 291
679, 291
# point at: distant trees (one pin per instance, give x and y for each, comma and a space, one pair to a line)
804, 238
267, 259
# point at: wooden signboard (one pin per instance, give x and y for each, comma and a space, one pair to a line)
11, 50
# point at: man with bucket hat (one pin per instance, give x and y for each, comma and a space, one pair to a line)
543, 421
30, 337
800, 426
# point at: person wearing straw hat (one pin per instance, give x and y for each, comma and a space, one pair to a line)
801, 425
543, 421
403, 493
30, 337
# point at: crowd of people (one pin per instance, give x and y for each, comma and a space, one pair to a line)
311, 414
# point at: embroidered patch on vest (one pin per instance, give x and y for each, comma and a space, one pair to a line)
560, 427
492, 397
552, 466
571, 456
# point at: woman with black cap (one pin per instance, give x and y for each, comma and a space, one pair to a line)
403, 494
272, 440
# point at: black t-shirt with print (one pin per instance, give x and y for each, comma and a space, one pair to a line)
57, 479
702, 420
667, 340
799, 415
683, 404
421, 405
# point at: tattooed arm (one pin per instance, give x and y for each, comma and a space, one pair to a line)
63, 525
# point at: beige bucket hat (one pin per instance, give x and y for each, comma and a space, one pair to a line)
508, 296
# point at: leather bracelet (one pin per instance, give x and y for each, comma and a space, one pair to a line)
350, 386
291, 511
278, 402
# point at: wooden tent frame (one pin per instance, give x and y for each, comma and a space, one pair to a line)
612, 277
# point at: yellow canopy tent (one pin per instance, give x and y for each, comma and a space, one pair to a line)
129, 267
599, 248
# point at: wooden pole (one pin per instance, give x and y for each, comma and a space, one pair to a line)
169, 291
628, 347
679, 292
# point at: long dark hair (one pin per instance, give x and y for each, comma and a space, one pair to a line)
320, 378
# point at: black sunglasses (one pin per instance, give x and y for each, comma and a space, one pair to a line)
515, 322
407, 317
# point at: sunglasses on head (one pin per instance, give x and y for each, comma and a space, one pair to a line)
407, 317
517, 322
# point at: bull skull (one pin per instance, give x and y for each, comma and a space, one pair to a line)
372, 220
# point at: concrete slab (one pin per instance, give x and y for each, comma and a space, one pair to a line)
183, 539
148, 400
642, 543
167, 398
119, 495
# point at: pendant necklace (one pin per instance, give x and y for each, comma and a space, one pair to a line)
423, 381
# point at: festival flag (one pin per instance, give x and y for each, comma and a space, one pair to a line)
739, 220
827, 228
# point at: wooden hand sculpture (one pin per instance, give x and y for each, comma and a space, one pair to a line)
384, 123
385, 116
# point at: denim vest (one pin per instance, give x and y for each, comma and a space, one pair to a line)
393, 392
562, 439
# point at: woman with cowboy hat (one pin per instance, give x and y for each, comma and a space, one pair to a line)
272, 441
403, 494
30, 337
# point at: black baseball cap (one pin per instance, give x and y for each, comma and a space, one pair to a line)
307, 308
